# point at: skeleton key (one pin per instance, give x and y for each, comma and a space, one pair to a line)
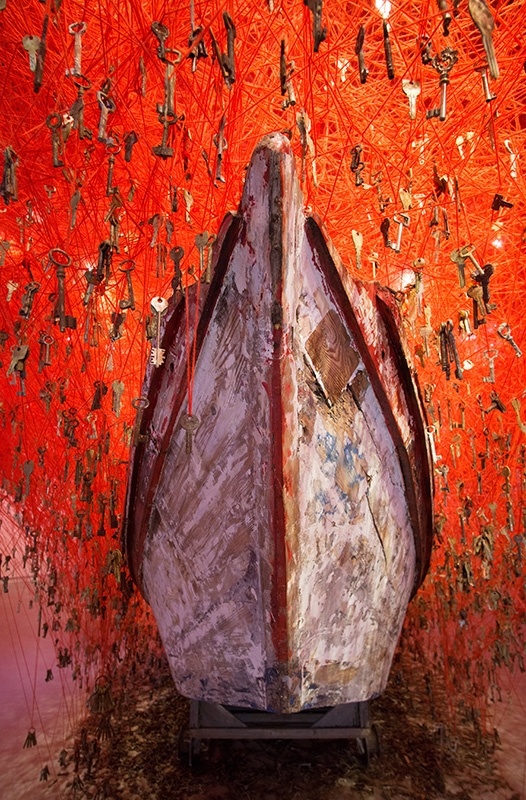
403, 221
77, 109
176, 254
31, 44
107, 106
443, 63
189, 423
61, 260
45, 341
169, 230
159, 306
117, 388
54, 123
161, 32
491, 355
357, 165
27, 299
411, 89
504, 331
128, 302
11, 289
357, 239
139, 404
28, 468
77, 29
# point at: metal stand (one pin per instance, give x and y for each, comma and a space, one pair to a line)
214, 721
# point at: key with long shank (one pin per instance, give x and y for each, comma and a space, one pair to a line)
159, 306
54, 123
128, 302
107, 106
467, 252
504, 331
12, 286
77, 109
77, 29
139, 404
117, 388
460, 261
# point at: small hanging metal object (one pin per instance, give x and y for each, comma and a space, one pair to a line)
100, 700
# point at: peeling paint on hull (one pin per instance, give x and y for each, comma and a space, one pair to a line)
280, 555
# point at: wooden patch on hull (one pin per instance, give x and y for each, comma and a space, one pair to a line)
279, 557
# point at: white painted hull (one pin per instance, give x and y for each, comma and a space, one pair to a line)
280, 555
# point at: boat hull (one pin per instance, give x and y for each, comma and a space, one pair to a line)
279, 556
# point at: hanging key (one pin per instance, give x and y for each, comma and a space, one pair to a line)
156, 221
201, 242
117, 389
357, 239
61, 260
491, 355
19, 354
158, 306
286, 70
161, 32
226, 60
27, 299
357, 165
128, 302
176, 254
54, 123
411, 89
221, 143
403, 221
9, 185
45, 341
107, 107
189, 423
460, 261
28, 468
388, 51
77, 29
467, 252
129, 140
443, 63
139, 404
31, 44
41, 57
504, 331
358, 50
77, 109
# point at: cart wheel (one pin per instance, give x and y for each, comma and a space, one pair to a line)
369, 746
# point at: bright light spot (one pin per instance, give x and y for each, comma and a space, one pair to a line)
384, 7
498, 243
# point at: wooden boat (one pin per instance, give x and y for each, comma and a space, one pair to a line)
279, 556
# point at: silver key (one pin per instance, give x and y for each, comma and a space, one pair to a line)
504, 331
357, 239
77, 29
491, 355
412, 90
159, 306
31, 44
